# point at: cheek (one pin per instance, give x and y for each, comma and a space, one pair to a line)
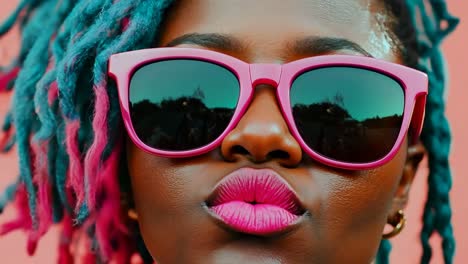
356, 206
168, 195
156, 184
157, 196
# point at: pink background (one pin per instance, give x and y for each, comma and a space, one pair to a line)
406, 246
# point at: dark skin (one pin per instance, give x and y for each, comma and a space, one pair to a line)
347, 210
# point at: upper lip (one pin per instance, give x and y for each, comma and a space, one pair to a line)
256, 186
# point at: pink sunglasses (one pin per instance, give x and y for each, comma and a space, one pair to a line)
349, 112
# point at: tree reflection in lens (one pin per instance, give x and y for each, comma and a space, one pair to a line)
178, 124
330, 130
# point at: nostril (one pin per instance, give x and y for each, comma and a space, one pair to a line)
237, 149
278, 154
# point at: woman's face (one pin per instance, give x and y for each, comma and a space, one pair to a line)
346, 211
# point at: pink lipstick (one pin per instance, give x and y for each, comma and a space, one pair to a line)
255, 201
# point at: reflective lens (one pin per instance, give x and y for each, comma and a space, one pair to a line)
182, 104
348, 114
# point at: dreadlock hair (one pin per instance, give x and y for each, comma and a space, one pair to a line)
65, 120
421, 26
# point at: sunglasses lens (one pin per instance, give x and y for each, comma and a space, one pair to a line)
348, 114
182, 104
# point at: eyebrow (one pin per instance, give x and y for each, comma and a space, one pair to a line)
211, 40
323, 45
312, 45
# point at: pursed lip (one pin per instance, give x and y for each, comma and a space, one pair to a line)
255, 201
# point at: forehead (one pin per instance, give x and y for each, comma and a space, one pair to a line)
267, 26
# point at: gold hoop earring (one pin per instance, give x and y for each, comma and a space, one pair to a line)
132, 214
398, 222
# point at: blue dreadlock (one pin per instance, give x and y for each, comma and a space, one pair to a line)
436, 135
58, 49
432, 23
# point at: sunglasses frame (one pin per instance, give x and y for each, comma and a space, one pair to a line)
414, 83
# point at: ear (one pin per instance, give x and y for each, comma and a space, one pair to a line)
416, 153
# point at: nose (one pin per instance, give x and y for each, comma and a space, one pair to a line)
262, 134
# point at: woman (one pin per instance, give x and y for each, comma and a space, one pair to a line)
251, 136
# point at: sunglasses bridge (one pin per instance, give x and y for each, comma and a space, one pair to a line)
265, 73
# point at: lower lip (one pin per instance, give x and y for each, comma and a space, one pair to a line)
255, 219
